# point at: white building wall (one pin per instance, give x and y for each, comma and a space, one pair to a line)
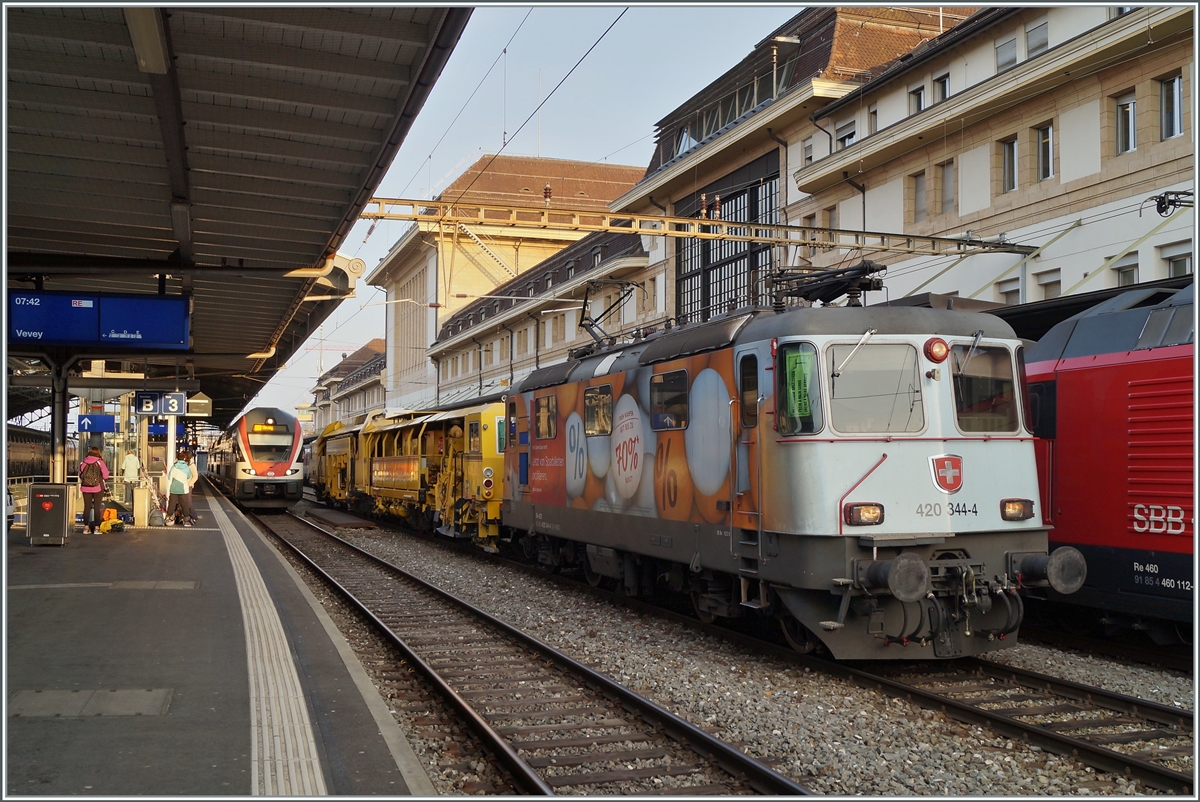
1078, 255
885, 207
975, 179
1067, 21
1079, 141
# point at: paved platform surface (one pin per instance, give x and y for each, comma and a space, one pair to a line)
186, 661
339, 519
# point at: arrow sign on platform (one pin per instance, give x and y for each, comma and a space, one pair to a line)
96, 423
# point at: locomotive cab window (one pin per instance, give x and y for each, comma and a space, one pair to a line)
985, 397
597, 410
669, 400
545, 417
877, 389
501, 431
512, 420
798, 395
748, 377
474, 441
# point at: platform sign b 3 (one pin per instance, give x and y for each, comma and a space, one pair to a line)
147, 403
174, 403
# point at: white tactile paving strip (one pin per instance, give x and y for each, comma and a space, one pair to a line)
284, 760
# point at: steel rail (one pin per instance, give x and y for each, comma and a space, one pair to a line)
761, 777
528, 780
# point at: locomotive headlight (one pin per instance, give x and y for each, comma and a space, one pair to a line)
864, 514
936, 350
1016, 509
291, 471
249, 471
488, 473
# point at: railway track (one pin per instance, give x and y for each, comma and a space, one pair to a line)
551, 722
1108, 731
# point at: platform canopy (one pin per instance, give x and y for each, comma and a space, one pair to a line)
222, 153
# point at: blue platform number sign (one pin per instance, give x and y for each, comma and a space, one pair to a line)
174, 404
147, 403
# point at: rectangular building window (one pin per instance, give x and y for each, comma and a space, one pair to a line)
1126, 123
1036, 39
941, 88
1127, 270
808, 153
1009, 291
1045, 152
1178, 257
948, 199
831, 217
669, 400
916, 100
545, 417
597, 410
844, 135
1051, 283
872, 118
1008, 157
918, 197
1172, 106
1006, 54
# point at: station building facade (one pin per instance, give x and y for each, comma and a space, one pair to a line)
435, 269
818, 56
350, 389
1055, 128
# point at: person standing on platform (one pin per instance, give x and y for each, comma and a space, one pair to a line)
179, 480
191, 461
93, 482
131, 466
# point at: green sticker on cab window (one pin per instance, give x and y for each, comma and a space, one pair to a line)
798, 366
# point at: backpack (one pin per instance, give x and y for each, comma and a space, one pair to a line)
156, 517
91, 475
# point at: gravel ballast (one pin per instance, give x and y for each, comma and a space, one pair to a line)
829, 734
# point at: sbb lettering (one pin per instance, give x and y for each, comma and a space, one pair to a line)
1157, 519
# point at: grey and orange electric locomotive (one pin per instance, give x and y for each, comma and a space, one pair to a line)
865, 475
257, 461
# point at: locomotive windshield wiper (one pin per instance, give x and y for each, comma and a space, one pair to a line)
866, 336
970, 351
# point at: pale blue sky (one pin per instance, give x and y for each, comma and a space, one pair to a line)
652, 60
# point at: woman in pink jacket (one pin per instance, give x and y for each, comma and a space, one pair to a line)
93, 481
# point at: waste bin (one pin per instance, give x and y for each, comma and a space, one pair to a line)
50, 515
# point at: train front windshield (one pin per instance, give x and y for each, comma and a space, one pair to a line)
274, 445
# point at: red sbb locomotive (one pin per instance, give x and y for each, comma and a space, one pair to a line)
1112, 401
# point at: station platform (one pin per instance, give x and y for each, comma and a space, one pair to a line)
186, 661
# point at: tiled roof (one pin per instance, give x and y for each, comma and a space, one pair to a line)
519, 180
355, 360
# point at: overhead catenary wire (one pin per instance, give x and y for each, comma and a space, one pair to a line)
539, 106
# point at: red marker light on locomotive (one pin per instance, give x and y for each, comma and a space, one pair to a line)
936, 350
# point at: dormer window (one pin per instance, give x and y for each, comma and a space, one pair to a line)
549, 280
571, 268
597, 255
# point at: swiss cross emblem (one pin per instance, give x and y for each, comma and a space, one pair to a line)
947, 472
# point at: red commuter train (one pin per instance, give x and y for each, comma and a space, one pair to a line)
1112, 398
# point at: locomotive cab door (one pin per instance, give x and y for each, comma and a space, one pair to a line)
746, 425
746, 535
